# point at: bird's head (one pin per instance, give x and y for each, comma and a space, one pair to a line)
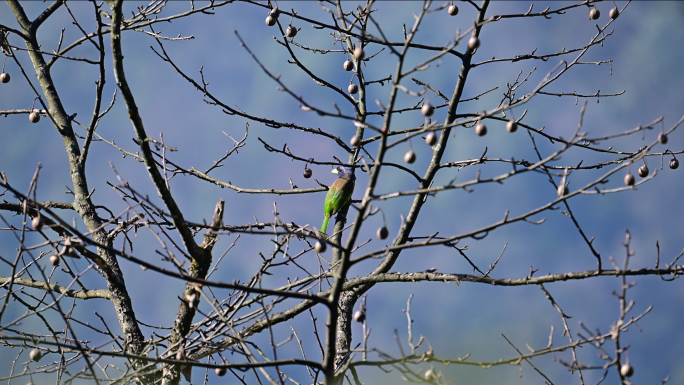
343, 172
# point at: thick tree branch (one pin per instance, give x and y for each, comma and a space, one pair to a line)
82, 202
78, 294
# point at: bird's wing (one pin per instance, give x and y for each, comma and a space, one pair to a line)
329, 199
344, 188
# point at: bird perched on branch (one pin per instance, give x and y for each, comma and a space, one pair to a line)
339, 194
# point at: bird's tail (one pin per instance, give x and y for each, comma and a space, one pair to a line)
324, 226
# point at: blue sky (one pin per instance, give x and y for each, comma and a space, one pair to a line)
468, 318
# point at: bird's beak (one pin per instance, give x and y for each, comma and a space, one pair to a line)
335, 171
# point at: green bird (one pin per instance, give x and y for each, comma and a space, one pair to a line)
339, 194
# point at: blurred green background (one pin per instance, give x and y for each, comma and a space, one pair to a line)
457, 319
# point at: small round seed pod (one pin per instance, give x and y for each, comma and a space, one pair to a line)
662, 138
358, 52
4, 77
220, 372
348, 65
291, 31
427, 109
614, 13
35, 355
359, 316
629, 179
481, 129
627, 370
674, 163
473, 43
307, 172
563, 191
37, 222
34, 117
431, 139
54, 260
429, 374
643, 171
410, 156
354, 141
275, 12
270, 20
320, 247
382, 232
453, 10
353, 88
594, 14
511, 126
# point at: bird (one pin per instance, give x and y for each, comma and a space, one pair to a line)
339, 194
